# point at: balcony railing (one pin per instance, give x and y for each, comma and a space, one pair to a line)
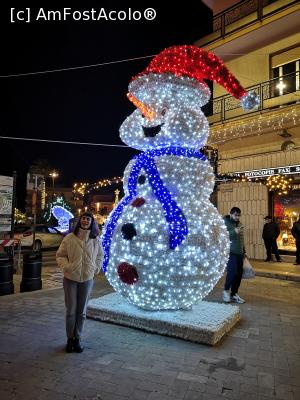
243, 14
277, 92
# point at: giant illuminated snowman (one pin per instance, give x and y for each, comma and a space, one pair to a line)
165, 245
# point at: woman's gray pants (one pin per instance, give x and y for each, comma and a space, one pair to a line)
76, 298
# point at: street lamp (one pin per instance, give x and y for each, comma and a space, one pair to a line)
53, 174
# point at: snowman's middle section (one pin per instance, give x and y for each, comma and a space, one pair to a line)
142, 267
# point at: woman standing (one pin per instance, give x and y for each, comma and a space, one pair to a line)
79, 256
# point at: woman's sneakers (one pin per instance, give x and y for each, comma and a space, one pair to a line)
69, 346
74, 345
237, 299
77, 346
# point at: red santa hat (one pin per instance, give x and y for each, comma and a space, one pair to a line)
198, 64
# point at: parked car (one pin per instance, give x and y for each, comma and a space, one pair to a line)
45, 237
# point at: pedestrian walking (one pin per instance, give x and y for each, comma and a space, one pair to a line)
79, 256
296, 234
270, 234
236, 257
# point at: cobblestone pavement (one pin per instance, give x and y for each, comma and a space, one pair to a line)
259, 359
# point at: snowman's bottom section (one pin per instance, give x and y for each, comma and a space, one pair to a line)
206, 322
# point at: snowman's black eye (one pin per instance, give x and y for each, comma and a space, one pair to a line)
141, 179
128, 231
143, 116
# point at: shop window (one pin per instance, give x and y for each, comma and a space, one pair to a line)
286, 212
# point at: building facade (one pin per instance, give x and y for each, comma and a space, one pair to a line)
260, 43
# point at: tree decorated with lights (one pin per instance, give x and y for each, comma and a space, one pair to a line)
165, 245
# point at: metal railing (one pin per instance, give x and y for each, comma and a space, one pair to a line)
274, 93
243, 14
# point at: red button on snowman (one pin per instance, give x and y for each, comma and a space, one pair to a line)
165, 245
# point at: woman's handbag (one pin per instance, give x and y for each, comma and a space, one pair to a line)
248, 272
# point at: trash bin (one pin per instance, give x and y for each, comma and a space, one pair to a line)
31, 274
6, 275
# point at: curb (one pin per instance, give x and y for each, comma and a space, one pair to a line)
285, 276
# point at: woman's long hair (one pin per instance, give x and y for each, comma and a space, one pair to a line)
94, 230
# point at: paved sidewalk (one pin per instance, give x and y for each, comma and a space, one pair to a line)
259, 359
282, 270
52, 275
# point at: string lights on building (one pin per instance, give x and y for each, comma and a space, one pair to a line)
279, 184
80, 189
255, 125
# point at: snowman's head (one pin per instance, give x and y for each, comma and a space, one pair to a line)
169, 95
168, 112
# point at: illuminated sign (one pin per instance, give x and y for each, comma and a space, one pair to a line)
264, 172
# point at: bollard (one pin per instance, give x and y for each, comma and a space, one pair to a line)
31, 275
6, 275
18, 259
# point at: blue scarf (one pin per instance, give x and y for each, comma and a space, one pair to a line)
174, 216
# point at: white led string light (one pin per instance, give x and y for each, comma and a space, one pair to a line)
255, 125
170, 279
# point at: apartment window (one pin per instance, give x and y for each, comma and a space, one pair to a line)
285, 70
287, 78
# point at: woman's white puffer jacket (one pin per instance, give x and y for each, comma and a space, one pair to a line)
79, 257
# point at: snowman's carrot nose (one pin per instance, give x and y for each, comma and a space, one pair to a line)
146, 111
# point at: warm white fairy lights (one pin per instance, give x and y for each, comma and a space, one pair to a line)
254, 125
279, 183
80, 189
141, 263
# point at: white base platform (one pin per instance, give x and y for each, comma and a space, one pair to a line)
206, 323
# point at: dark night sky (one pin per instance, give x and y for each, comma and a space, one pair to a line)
84, 105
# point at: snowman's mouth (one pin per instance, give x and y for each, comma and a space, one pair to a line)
152, 131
